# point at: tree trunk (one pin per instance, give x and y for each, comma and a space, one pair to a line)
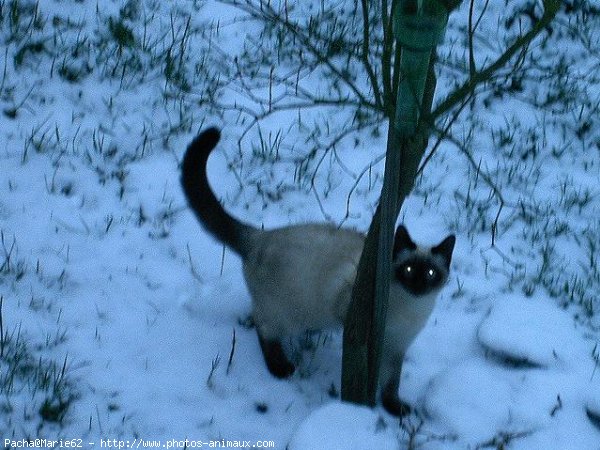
360, 359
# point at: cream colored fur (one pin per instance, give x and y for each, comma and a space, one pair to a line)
301, 278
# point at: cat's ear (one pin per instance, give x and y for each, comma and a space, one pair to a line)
402, 241
445, 249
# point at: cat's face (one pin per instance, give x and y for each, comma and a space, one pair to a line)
421, 270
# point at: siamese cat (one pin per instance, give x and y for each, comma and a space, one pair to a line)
300, 277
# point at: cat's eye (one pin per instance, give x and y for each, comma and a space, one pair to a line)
431, 273
408, 270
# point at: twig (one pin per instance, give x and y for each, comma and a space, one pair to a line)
2, 337
195, 274
366, 52
213, 367
231, 353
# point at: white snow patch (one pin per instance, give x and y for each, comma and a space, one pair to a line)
531, 330
345, 427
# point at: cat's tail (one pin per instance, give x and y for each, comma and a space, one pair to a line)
201, 199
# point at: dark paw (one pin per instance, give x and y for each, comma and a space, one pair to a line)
281, 368
392, 403
277, 362
396, 407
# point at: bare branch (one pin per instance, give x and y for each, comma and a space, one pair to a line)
266, 13
471, 32
366, 52
386, 58
442, 134
550, 9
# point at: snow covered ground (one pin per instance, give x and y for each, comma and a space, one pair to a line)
123, 321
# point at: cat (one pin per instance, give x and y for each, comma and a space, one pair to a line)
300, 277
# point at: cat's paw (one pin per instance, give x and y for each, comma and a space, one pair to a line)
281, 368
277, 362
396, 407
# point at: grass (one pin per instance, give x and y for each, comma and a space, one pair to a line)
47, 384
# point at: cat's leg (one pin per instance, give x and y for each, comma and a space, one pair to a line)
391, 401
390, 376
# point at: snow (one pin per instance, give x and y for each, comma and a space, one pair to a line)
343, 426
539, 335
103, 266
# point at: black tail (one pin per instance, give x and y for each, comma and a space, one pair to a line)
201, 199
